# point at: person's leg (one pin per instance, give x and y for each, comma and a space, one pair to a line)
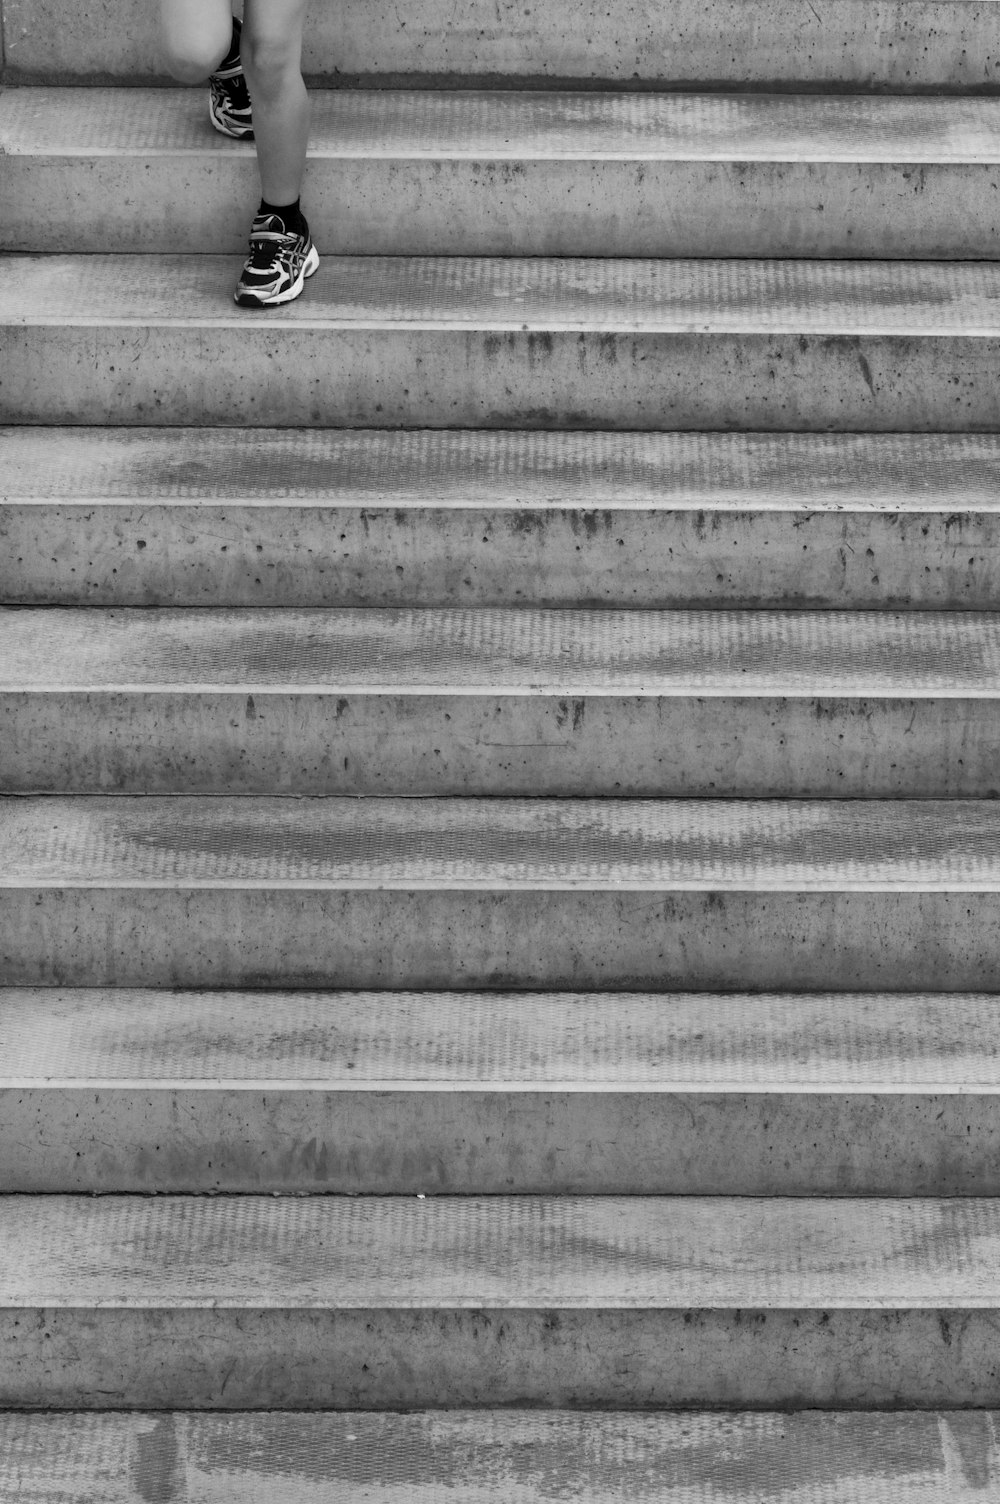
282, 254
196, 36
272, 61
201, 39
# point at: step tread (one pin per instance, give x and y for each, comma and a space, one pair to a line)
500, 1042
503, 1252
520, 650
495, 295
538, 126
217, 842
499, 1457
440, 468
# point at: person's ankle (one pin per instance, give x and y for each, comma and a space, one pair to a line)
232, 57
290, 215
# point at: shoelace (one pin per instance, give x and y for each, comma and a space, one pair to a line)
266, 247
229, 87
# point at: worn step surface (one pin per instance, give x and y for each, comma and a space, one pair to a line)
581, 894
478, 342
490, 701
929, 846
522, 652
373, 518
401, 1302
486, 1093
500, 1457
895, 45
592, 174
529, 471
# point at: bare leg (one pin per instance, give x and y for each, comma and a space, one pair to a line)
196, 36
271, 53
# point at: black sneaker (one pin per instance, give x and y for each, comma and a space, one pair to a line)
229, 98
278, 264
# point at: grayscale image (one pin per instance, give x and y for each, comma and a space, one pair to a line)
499, 752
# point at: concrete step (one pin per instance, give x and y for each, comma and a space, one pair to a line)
492, 173
500, 1456
532, 343
894, 45
493, 1093
526, 652
432, 745
259, 517
400, 1302
577, 894
492, 701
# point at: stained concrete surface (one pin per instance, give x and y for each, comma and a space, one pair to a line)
498, 745
526, 652
160, 553
441, 378
456, 1253
517, 1457
919, 45
467, 845
373, 1359
403, 472
525, 939
498, 173
145, 1139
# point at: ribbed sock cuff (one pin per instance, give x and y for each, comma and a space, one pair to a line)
290, 215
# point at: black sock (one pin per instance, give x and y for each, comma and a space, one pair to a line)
232, 57
290, 215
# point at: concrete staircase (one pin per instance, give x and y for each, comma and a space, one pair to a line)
605, 1106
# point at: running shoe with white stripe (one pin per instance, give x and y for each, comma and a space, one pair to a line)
229, 99
278, 264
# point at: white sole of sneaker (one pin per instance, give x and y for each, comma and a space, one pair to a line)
309, 267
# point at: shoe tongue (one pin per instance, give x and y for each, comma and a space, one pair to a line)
270, 222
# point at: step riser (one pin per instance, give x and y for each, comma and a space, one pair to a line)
521, 207
476, 379
542, 745
211, 554
641, 1359
398, 1143
910, 46
479, 380
917, 942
